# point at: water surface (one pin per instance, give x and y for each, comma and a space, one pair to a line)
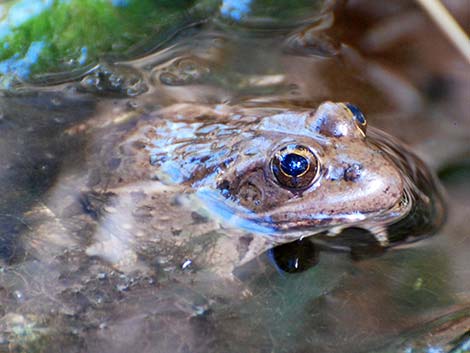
409, 300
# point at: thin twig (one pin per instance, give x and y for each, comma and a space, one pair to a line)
448, 25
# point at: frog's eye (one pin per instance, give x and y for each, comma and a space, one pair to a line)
358, 116
295, 166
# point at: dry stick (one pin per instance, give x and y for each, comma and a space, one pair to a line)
448, 25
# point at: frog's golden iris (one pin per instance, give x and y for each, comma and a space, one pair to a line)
295, 166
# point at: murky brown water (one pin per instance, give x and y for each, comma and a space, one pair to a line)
410, 300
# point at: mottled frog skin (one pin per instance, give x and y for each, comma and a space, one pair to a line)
215, 187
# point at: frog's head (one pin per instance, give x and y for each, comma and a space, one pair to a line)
313, 170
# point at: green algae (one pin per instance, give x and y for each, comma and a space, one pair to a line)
62, 35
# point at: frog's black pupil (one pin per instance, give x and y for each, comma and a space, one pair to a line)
357, 113
294, 164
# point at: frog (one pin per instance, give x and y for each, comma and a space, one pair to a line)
211, 188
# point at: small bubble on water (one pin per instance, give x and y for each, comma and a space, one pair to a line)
113, 80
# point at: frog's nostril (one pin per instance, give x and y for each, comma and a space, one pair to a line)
352, 172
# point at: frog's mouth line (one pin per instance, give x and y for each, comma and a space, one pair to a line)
231, 215
375, 222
